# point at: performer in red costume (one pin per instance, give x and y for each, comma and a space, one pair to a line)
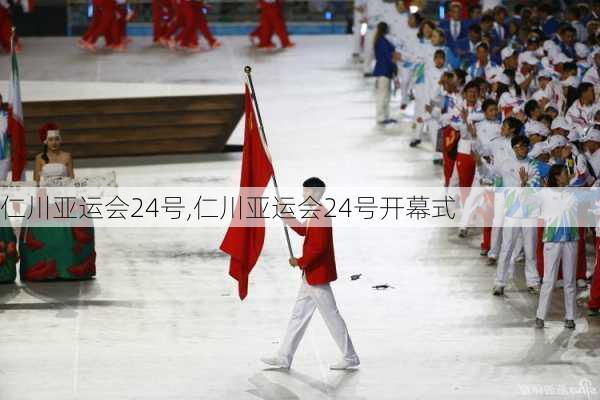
163, 12
101, 25
189, 18
119, 39
203, 25
272, 21
318, 270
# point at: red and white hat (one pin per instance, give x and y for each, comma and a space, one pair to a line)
48, 130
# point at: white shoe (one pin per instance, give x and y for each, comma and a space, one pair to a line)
275, 362
345, 364
581, 283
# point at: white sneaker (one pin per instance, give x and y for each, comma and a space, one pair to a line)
581, 283
345, 364
275, 362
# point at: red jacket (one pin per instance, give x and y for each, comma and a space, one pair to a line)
318, 258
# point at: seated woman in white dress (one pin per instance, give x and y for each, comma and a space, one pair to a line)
50, 252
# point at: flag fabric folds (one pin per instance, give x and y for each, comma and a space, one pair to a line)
244, 243
16, 127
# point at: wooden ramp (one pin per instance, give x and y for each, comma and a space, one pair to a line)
136, 126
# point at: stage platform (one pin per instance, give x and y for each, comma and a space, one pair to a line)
162, 320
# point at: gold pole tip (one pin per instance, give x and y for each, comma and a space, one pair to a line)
247, 69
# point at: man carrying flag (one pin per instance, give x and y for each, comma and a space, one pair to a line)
16, 128
318, 270
244, 244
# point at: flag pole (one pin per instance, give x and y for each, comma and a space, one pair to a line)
248, 71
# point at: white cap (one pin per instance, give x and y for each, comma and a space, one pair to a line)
592, 135
538, 149
582, 50
560, 58
539, 95
545, 73
571, 81
500, 78
535, 128
560, 122
507, 52
556, 141
528, 58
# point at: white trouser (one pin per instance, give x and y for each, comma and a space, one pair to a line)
382, 98
420, 100
309, 298
406, 82
512, 229
4, 168
369, 51
358, 16
497, 223
554, 252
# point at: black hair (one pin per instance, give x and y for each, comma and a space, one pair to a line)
316, 184
554, 172
475, 28
571, 97
483, 46
488, 103
487, 18
546, 118
568, 28
418, 18
519, 140
471, 85
461, 75
439, 53
583, 87
530, 107
428, 22
382, 30
313, 182
569, 67
45, 154
511, 75
514, 125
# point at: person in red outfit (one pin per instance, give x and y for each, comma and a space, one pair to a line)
162, 14
318, 270
594, 300
203, 25
106, 14
119, 39
272, 21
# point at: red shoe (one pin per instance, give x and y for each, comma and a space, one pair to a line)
289, 45
215, 45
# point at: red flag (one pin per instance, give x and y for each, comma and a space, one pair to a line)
244, 243
16, 128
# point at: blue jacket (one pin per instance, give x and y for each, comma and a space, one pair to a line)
384, 64
450, 41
